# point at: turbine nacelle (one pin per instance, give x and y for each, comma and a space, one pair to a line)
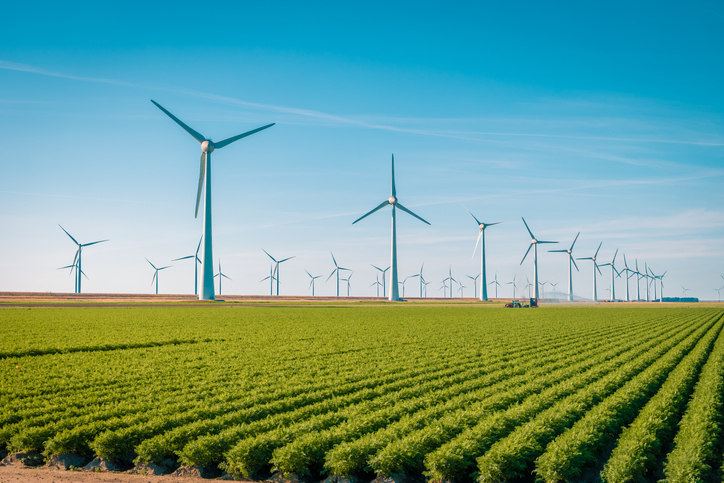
208, 146
392, 200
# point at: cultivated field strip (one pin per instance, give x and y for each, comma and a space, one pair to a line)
444, 391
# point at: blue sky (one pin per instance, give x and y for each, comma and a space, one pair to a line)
603, 119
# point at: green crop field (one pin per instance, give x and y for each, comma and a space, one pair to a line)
446, 392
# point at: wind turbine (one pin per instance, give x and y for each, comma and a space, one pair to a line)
684, 290
422, 279
513, 284
638, 280
475, 287
613, 272
571, 264
271, 278
405, 280
336, 270
347, 280
451, 280
481, 236
383, 278
425, 283
276, 269
207, 147
533, 243
378, 284
155, 274
554, 287
654, 279
311, 283
76, 260
462, 293
528, 285
595, 267
392, 200
495, 282
221, 274
718, 293
196, 266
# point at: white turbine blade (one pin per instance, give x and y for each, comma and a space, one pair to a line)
614, 257
74, 240
540, 241
226, 277
202, 174
411, 213
599, 270
93, 243
275, 261
574, 241
599, 247
265, 278
193, 133
230, 140
394, 191
526, 227
330, 275
308, 273
149, 261
182, 258
378, 268
335, 261
288, 258
83, 273
379, 207
154, 277
477, 242
526, 253
557, 251
466, 209
167, 266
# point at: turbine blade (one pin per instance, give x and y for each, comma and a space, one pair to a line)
74, 240
526, 253
599, 247
378, 268
394, 191
526, 227
182, 258
193, 133
539, 242
466, 209
269, 255
230, 140
411, 213
289, 258
335, 261
480, 235
597, 268
574, 241
154, 277
379, 207
614, 257
308, 273
89, 244
83, 273
149, 261
330, 275
226, 277
202, 174
557, 251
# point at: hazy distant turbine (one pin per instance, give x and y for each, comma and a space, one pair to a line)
207, 147
311, 283
595, 267
495, 282
481, 237
277, 263
197, 261
336, 270
155, 273
571, 264
221, 275
77, 259
534, 244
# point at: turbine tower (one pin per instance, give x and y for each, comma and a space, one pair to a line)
595, 267
571, 264
392, 200
155, 274
613, 272
383, 277
196, 266
534, 244
481, 236
207, 147
627, 270
76, 261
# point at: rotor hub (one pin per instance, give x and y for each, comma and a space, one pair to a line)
208, 147
392, 200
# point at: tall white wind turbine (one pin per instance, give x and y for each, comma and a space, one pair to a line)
481, 237
197, 261
207, 147
595, 267
277, 263
76, 261
336, 270
155, 273
534, 244
571, 264
392, 200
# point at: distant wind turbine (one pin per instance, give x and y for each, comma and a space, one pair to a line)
207, 147
311, 283
383, 278
495, 282
595, 267
392, 200
481, 237
272, 278
276, 269
349, 277
377, 284
533, 244
422, 279
628, 271
451, 280
155, 273
614, 272
528, 285
513, 284
684, 290
77, 259
571, 264
336, 270
196, 266
462, 293
220, 275
475, 286
718, 293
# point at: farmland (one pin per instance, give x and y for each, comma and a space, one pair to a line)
458, 392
